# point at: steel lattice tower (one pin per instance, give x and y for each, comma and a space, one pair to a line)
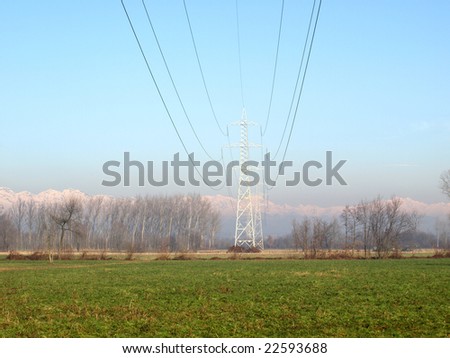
248, 233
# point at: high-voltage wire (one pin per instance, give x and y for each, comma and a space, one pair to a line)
299, 75
239, 53
298, 79
173, 82
303, 79
274, 68
160, 94
201, 69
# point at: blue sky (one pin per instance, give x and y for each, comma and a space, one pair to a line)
75, 91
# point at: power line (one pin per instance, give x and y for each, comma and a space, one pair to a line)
160, 94
274, 68
200, 67
173, 82
154, 79
239, 53
299, 75
303, 79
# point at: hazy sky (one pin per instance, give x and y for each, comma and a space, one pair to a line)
75, 91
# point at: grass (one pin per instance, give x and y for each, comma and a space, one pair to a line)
227, 298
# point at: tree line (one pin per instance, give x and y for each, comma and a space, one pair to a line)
373, 227
163, 223
190, 223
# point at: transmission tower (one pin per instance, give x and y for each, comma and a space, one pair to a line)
259, 238
248, 233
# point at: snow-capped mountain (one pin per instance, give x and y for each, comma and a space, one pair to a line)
227, 205
9, 197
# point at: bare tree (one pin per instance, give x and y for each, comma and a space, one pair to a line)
445, 183
30, 214
334, 234
91, 214
143, 217
214, 226
18, 210
301, 233
362, 216
321, 236
346, 220
64, 216
296, 234
349, 217
380, 223
48, 228
6, 232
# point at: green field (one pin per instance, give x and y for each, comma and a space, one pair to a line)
228, 298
